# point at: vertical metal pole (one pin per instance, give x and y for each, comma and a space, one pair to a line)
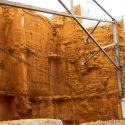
124, 25
72, 10
117, 60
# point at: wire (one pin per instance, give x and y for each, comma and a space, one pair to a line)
88, 3
88, 6
91, 3
33, 66
90, 92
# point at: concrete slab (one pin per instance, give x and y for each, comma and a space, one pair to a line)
111, 122
33, 122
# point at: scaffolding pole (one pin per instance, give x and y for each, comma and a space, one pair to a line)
84, 63
88, 34
39, 9
104, 47
92, 31
116, 52
117, 61
71, 15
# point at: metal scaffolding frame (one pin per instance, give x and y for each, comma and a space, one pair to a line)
72, 15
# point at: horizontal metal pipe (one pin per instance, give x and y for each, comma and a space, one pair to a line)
89, 34
104, 47
90, 18
28, 7
103, 9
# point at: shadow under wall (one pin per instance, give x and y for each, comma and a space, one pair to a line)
7, 108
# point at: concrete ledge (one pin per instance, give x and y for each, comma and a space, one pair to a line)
111, 122
33, 122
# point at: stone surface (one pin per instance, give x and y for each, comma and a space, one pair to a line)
33, 122
111, 122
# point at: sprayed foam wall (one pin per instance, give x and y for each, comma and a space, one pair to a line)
77, 93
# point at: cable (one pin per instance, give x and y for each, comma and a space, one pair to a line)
88, 2
32, 66
91, 3
90, 92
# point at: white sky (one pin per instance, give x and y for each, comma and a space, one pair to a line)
114, 7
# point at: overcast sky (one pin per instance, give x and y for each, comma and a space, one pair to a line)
114, 7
